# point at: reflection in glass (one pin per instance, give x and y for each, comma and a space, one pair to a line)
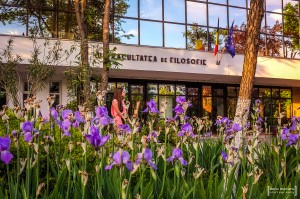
194, 109
292, 2
216, 11
170, 7
274, 20
196, 13
285, 93
174, 35
192, 91
129, 34
218, 1
151, 9
111, 86
192, 36
231, 105
132, 10
152, 89
169, 100
255, 93
273, 5
241, 3
231, 91
152, 97
123, 85
207, 106
166, 89
180, 90
238, 15
286, 107
218, 106
136, 105
137, 89
275, 93
274, 46
218, 92
265, 92
151, 33
206, 90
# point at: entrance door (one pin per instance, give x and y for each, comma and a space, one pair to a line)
218, 102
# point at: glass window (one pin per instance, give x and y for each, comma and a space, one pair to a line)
292, 2
255, 93
206, 106
216, 11
218, 106
54, 90
166, 89
170, 7
274, 46
238, 15
15, 26
111, 86
218, 1
274, 21
194, 109
273, 5
196, 13
152, 89
286, 107
174, 35
151, 33
218, 92
45, 28
180, 90
129, 32
132, 10
275, 93
137, 89
136, 105
241, 3
169, 100
192, 36
123, 85
192, 91
285, 93
222, 37
231, 105
206, 90
231, 91
265, 92
151, 9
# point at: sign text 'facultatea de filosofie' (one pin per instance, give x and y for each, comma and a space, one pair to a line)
151, 58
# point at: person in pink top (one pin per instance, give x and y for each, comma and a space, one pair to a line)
118, 109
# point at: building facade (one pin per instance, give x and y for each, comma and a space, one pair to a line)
156, 39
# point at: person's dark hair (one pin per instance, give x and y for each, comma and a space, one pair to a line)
118, 97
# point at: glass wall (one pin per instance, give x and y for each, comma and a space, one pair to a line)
162, 23
210, 100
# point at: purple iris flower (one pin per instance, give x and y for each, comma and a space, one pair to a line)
124, 128
151, 134
65, 126
186, 129
293, 138
147, 158
105, 121
95, 139
236, 127
6, 156
177, 154
208, 134
28, 137
224, 156
78, 117
54, 113
246, 126
66, 113
259, 120
151, 107
119, 158
180, 99
14, 133
293, 127
27, 127
101, 111
178, 109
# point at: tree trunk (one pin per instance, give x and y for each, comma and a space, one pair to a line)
105, 69
250, 60
80, 8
